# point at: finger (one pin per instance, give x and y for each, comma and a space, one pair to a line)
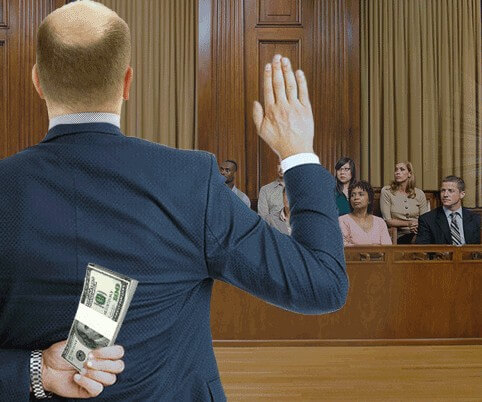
109, 352
102, 377
290, 81
278, 80
258, 115
302, 88
93, 388
268, 86
111, 366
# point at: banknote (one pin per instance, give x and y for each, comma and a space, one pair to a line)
104, 302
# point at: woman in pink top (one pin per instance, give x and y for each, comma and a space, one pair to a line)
360, 226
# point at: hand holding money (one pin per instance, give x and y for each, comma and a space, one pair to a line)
63, 379
103, 305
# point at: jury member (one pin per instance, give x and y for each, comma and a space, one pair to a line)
345, 175
281, 219
89, 193
450, 223
401, 203
228, 169
360, 226
270, 199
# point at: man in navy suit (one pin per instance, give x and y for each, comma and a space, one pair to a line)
450, 223
87, 193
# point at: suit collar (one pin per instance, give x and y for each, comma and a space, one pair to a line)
68, 129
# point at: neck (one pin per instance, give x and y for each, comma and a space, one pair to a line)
402, 186
454, 207
55, 111
360, 212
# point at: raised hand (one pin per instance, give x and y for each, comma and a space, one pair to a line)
62, 379
286, 124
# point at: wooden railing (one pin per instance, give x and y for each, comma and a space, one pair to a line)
398, 294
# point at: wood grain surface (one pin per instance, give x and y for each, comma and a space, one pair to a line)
377, 373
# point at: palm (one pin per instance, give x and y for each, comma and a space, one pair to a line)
63, 372
286, 123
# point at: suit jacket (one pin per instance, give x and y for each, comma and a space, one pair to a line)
433, 227
163, 216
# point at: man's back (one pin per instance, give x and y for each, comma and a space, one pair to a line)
161, 216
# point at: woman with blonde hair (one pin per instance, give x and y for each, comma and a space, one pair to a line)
401, 203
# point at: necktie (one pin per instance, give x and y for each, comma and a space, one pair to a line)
454, 229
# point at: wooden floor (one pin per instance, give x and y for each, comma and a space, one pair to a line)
355, 373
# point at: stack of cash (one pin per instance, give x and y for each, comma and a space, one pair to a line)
103, 305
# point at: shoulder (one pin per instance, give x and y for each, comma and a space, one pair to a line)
268, 186
345, 220
469, 213
431, 215
386, 191
419, 194
168, 151
379, 221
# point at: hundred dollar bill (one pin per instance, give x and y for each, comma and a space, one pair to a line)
103, 305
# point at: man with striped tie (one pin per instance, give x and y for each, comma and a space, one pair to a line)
450, 223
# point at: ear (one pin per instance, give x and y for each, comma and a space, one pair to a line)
127, 83
36, 81
462, 194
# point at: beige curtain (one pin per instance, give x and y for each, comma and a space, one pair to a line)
421, 91
161, 107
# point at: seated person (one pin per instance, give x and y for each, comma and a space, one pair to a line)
281, 219
401, 203
360, 226
450, 223
270, 198
228, 169
345, 174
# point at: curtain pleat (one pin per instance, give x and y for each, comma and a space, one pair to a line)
161, 107
421, 91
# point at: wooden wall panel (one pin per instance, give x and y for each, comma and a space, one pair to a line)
24, 117
221, 114
279, 12
236, 39
262, 42
397, 293
3, 14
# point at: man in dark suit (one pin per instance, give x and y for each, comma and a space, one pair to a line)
88, 193
450, 223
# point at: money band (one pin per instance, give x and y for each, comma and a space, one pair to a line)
97, 321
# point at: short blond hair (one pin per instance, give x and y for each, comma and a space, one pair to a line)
73, 72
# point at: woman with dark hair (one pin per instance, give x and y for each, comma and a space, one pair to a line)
401, 203
360, 226
345, 174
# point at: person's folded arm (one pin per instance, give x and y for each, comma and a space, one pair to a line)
14, 374
304, 273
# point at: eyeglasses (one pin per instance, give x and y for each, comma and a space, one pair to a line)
344, 169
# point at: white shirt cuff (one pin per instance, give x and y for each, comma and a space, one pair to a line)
299, 159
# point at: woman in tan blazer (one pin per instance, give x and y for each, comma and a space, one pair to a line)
401, 203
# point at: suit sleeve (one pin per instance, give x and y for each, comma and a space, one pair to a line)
14, 374
304, 273
423, 234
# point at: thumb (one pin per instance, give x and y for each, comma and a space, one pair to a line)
257, 115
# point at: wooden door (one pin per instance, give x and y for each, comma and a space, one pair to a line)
237, 38
23, 115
